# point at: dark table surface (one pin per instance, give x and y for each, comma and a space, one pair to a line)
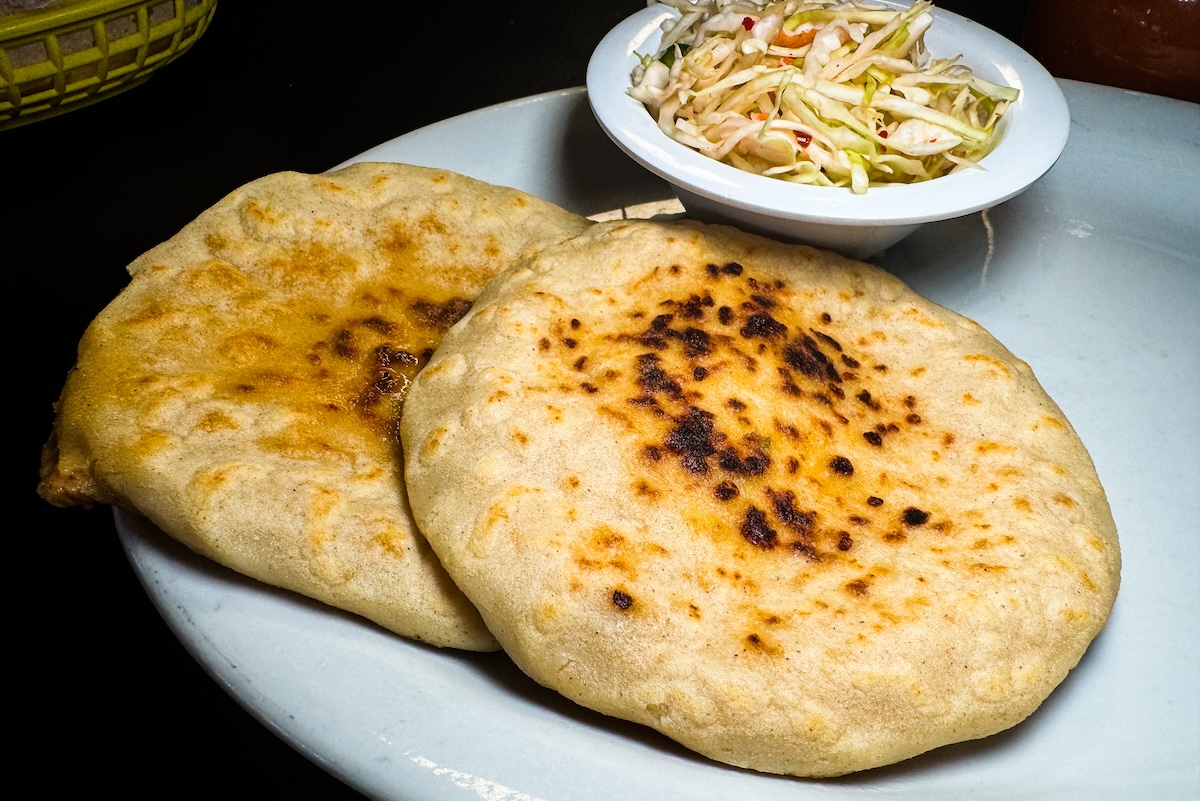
112, 701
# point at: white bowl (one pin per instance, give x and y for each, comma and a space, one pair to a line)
1033, 133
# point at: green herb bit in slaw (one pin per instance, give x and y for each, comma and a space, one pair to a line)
823, 93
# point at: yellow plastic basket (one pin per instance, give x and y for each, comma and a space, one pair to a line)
74, 52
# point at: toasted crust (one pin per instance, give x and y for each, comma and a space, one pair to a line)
763, 499
243, 391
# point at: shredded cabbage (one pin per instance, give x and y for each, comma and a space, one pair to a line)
818, 92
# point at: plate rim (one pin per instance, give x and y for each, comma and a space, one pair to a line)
424, 785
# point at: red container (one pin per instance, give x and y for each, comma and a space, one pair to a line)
1146, 45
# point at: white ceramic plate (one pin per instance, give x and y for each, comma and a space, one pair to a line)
1034, 128
1093, 277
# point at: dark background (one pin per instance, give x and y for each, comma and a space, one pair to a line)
106, 697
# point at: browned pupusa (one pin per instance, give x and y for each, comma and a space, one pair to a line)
244, 390
761, 498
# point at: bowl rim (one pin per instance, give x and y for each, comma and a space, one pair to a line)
1035, 133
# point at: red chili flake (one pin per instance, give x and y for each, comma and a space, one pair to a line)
747, 23
883, 134
804, 138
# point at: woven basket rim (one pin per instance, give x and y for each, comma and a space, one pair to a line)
38, 20
71, 78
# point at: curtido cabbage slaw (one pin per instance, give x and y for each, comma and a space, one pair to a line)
822, 93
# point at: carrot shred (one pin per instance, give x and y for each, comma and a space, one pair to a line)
795, 40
